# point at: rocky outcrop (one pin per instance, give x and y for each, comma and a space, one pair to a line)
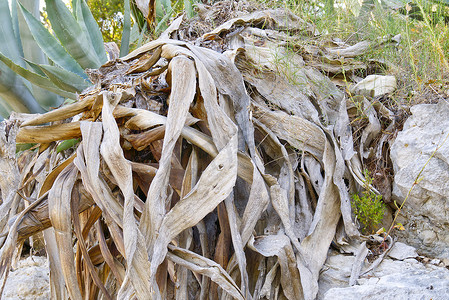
29, 281
421, 153
392, 279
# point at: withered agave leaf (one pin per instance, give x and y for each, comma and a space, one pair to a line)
279, 245
88, 162
61, 113
141, 249
258, 201
237, 243
57, 283
183, 90
323, 227
202, 265
360, 256
275, 18
229, 82
146, 62
49, 133
137, 263
214, 186
267, 285
149, 47
60, 215
50, 179
298, 132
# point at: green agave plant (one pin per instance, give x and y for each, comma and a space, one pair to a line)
38, 69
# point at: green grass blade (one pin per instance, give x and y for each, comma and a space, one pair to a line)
71, 35
124, 47
36, 79
64, 79
50, 45
89, 25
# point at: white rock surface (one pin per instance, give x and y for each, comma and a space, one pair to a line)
30, 281
375, 85
401, 251
425, 215
392, 279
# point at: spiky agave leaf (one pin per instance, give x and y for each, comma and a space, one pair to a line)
79, 45
13, 90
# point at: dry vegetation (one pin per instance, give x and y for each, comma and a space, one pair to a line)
216, 168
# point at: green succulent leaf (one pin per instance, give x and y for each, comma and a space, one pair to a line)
15, 26
162, 23
5, 109
71, 35
188, 7
64, 79
24, 147
124, 47
33, 52
13, 90
36, 68
75, 7
166, 4
67, 145
9, 44
90, 27
50, 45
36, 79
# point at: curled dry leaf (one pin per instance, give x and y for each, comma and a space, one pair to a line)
169, 133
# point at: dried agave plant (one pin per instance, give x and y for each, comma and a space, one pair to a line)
198, 174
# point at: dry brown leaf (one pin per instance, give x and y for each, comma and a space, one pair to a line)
60, 215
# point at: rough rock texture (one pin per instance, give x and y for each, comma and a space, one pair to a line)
425, 215
401, 251
392, 279
30, 281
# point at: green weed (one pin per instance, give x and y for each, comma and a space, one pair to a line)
368, 207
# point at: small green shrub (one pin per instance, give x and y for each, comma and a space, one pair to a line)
368, 207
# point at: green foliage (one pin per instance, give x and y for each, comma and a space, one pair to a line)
66, 145
15, 92
368, 208
110, 18
40, 67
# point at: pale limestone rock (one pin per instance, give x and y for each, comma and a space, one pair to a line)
426, 213
392, 279
29, 281
401, 251
375, 85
